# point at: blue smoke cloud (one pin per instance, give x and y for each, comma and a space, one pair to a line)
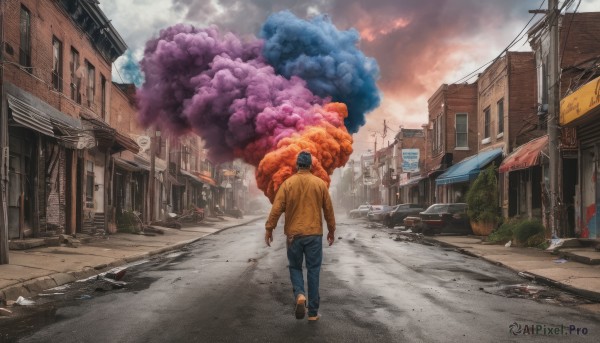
130, 70
326, 58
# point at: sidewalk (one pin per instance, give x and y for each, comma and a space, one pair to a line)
33, 270
539, 265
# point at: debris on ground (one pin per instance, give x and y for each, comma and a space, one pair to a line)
69, 241
5, 312
152, 229
116, 273
560, 261
24, 302
85, 297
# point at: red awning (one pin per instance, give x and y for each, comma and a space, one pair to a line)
206, 179
526, 156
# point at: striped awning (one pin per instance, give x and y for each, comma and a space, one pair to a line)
27, 116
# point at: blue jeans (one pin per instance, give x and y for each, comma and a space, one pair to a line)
312, 248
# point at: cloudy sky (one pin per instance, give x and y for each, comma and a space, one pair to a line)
419, 44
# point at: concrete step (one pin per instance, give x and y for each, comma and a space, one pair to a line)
582, 255
24, 244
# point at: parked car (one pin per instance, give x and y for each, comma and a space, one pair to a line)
399, 212
359, 212
441, 218
378, 212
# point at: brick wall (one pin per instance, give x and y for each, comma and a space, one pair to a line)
447, 101
123, 109
47, 21
493, 88
522, 106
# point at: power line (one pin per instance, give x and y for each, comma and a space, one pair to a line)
510, 45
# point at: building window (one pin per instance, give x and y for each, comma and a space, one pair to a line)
91, 84
89, 182
25, 48
486, 123
103, 96
462, 135
501, 116
437, 134
75, 76
57, 61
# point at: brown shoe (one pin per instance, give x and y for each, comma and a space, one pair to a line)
314, 318
300, 306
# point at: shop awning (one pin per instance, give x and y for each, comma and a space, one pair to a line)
28, 116
526, 156
468, 169
190, 175
107, 136
207, 179
173, 180
413, 181
126, 165
126, 143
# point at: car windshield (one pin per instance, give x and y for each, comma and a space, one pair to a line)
437, 208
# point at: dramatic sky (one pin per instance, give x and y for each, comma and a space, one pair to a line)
419, 44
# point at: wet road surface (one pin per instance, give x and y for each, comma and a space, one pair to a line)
230, 287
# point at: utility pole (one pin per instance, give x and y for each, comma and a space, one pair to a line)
553, 112
151, 182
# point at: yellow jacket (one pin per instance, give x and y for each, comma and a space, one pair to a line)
301, 197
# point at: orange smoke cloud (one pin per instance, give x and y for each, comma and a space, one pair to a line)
329, 145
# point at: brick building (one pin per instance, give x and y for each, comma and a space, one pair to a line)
579, 136
411, 186
54, 137
453, 134
507, 110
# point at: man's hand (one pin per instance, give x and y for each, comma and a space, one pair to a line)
330, 237
269, 237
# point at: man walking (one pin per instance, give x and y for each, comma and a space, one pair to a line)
302, 197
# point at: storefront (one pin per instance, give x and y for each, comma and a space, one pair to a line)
525, 178
453, 184
43, 149
581, 109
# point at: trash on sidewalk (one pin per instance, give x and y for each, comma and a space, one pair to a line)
5, 312
49, 294
508, 244
555, 243
84, 297
24, 302
560, 260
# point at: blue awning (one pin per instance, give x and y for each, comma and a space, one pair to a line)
467, 169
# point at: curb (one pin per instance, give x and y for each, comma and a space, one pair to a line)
34, 286
591, 295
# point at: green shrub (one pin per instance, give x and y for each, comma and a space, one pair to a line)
482, 197
503, 234
529, 233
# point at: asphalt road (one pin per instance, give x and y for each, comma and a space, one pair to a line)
230, 287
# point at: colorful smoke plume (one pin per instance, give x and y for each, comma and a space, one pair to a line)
262, 100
